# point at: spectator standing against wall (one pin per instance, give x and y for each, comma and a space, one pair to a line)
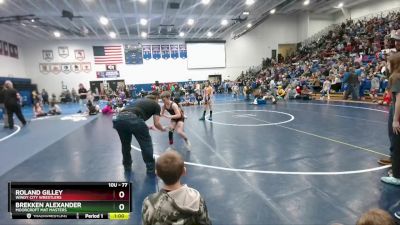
2, 107
387, 161
394, 120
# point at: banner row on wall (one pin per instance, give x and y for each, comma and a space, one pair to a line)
8, 49
134, 54
108, 55
66, 68
63, 52
164, 51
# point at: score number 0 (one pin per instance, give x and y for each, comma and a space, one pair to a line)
121, 206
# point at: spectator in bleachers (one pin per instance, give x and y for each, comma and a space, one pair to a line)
281, 92
373, 93
387, 98
326, 89
306, 93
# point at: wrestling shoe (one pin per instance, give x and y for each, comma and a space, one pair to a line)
202, 118
385, 161
391, 180
210, 119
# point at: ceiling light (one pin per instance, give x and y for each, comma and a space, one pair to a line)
249, 25
250, 2
306, 2
205, 2
340, 5
144, 35
190, 22
181, 34
112, 34
272, 11
209, 34
57, 34
246, 13
224, 22
32, 20
103, 20
1, 1
143, 1
143, 22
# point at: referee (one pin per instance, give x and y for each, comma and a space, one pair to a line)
131, 121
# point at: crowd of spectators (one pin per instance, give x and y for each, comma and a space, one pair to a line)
351, 58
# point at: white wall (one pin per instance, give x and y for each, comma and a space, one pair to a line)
152, 70
249, 49
368, 8
12, 67
302, 26
373, 7
316, 25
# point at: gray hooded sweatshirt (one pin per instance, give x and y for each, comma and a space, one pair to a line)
183, 206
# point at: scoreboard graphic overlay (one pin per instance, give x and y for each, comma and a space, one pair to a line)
70, 200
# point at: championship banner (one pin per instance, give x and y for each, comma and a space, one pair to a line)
156, 51
1, 48
44, 68
48, 55
165, 51
5, 48
174, 51
13, 50
66, 68
76, 67
86, 67
55, 68
133, 54
107, 74
63, 52
147, 52
183, 51
80, 54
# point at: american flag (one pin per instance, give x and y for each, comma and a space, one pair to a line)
108, 54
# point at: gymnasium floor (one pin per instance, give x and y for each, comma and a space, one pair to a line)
290, 163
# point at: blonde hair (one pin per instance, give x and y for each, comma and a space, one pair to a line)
8, 84
170, 167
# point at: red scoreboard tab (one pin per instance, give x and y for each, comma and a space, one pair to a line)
66, 200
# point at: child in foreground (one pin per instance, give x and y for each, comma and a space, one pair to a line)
174, 203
